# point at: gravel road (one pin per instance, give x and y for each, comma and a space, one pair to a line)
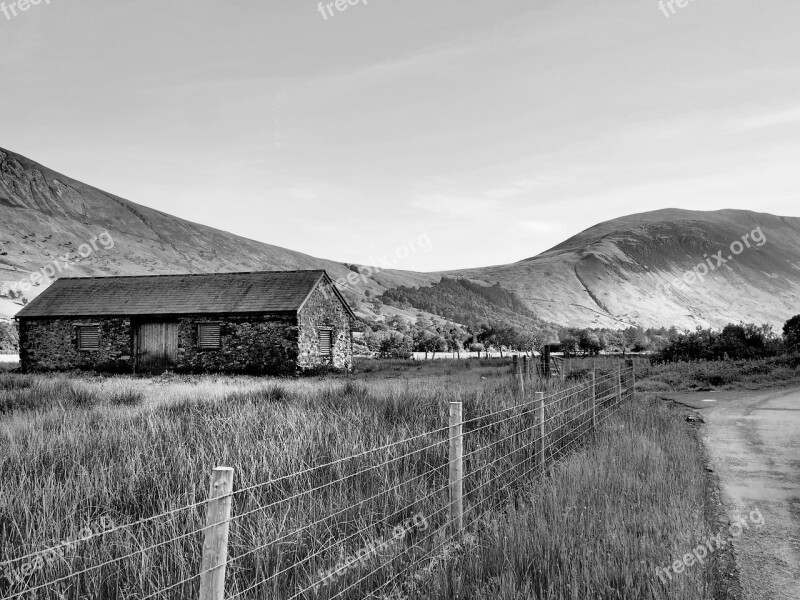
753, 440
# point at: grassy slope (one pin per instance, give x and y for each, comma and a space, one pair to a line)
131, 448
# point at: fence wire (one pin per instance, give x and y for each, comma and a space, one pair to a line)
366, 535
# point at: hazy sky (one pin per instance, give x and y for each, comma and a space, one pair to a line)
497, 128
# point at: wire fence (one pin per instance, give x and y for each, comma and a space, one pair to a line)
383, 521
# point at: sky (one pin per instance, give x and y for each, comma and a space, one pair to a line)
494, 129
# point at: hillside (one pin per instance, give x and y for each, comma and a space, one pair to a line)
467, 303
614, 274
44, 215
622, 271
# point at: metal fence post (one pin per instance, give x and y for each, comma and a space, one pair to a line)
540, 401
456, 482
215, 545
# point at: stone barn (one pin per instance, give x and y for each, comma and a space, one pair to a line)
262, 323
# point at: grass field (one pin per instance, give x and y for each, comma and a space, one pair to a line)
75, 449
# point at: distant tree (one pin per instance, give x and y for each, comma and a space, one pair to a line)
428, 341
569, 343
529, 341
487, 336
477, 347
389, 344
589, 343
634, 335
395, 345
614, 341
424, 323
508, 337
742, 341
397, 323
9, 340
455, 337
791, 333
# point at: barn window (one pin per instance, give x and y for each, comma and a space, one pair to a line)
89, 338
325, 342
209, 336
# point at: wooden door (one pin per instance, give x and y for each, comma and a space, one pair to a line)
156, 347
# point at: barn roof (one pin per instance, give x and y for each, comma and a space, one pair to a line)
215, 293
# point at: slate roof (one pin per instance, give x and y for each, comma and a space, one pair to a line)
215, 293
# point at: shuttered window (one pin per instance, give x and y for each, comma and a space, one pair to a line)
209, 336
89, 337
325, 342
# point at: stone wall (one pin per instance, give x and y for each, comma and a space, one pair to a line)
52, 345
255, 345
323, 309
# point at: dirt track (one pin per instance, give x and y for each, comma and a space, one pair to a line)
753, 440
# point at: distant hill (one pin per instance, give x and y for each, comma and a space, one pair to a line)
614, 274
622, 271
44, 215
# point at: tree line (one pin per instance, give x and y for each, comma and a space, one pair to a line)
741, 341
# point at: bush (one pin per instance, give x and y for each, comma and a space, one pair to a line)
743, 374
735, 342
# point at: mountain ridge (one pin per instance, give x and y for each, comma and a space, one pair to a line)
623, 271
614, 274
44, 213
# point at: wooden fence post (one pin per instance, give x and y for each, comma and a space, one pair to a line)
618, 369
215, 545
594, 400
456, 467
632, 365
540, 401
546, 362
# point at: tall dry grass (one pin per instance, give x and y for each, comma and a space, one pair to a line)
598, 526
75, 449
